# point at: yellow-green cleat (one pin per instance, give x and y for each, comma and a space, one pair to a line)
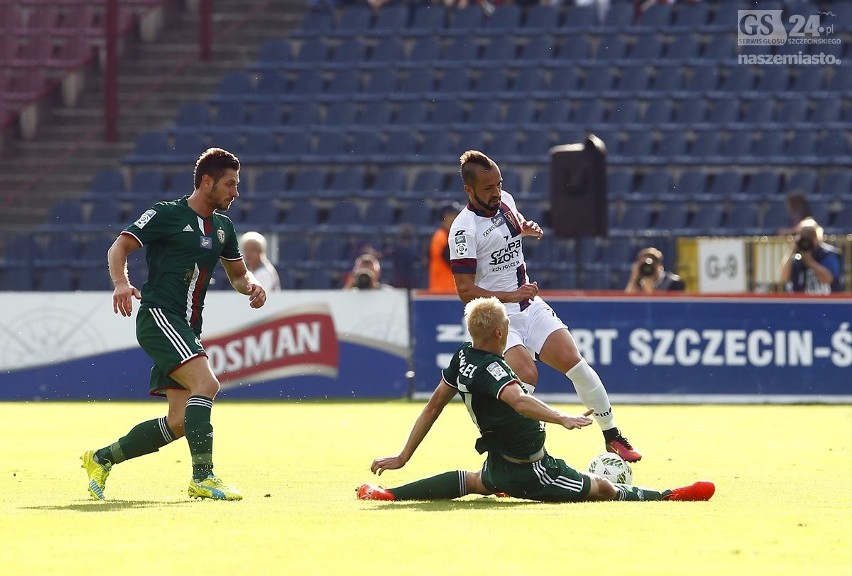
98, 473
212, 487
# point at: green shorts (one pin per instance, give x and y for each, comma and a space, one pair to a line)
170, 342
548, 480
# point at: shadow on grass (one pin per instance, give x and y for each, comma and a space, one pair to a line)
109, 505
452, 505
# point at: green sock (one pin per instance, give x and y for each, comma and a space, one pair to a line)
144, 438
635, 493
444, 486
199, 435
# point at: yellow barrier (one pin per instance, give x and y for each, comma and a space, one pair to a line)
764, 255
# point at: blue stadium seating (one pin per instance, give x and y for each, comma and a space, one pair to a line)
299, 218
274, 55
390, 20
107, 183
269, 184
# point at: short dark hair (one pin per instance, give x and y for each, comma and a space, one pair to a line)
213, 162
470, 159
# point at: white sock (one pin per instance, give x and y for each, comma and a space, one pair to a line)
592, 393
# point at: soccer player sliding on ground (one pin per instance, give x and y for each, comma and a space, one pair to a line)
512, 433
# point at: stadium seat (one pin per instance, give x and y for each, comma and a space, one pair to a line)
656, 17
344, 216
581, 17
270, 184
804, 181
708, 218
723, 111
417, 213
553, 113
460, 51
808, 79
380, 213
540, 18
297, 250
427, 183
447, 113
312, 53
672, 217
192, 116
275, 87
315, 23
726, 184
657, 111
300, 217
655, 184
427, 19
703, 79
836, 183
647, 47
692, 111
636, 216
343, 84
737, 79
610, 48
832, 145
107, 183
331, 147
792, 110
229, 116
465, 20
759, 111
260, 148
302, 116
401, 147
380, 83
575, 48
623, 111
638, 147
372, 115
563, 79
424, 51
499, 51
691, 184
389, 182
147, 183
354, 20
306, 182
416, 83
261, 214
769, 146
743, 218
537, 51
388, 51
235, 85
672, 146
340, 114
390, 20
691, 15
529, 83
151, 148
774, 79
350, 52
619, 19
668, 79
411, 113
825, 111
307, 85
105, 215
274, 55
719, 48
265, 116
588, 112
619, 184
346, 183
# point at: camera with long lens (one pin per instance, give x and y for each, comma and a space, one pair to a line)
363, 280
647, 267
804, 245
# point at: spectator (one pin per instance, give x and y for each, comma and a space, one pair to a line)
647, 274
798, 208
253, 247
812, 267
440, 274
365, 274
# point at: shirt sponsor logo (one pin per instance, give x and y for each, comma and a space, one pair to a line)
207, 242
497, 371
145, 218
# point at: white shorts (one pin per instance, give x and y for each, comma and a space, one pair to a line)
532, 326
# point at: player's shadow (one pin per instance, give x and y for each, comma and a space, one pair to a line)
109, 505
485, 503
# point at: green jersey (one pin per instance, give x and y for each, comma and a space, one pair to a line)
480, 377
181, 250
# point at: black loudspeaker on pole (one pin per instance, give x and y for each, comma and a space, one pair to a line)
578, 203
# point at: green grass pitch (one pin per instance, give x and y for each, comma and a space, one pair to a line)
782, 503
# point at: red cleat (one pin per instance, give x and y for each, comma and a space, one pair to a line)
373, 492
619, 445
698, 492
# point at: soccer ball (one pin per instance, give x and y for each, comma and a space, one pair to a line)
612, 467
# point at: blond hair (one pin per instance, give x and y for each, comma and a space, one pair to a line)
482, 316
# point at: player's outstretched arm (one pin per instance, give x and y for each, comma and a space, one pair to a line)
531, 407
440, 398
244, 282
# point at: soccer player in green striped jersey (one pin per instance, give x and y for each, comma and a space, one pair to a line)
511, 432
184, 239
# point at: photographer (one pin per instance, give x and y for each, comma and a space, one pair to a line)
365, 274
812, 267
648, 276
